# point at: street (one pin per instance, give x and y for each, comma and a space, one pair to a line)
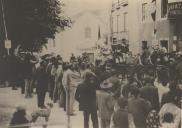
9, 99
108, 63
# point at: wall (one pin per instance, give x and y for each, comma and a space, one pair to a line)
73, 39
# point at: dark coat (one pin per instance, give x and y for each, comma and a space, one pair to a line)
179, 70
169, 96
19, 119
139, 108
42, 79
150, 93
86, 96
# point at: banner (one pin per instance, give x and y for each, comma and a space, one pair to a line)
7, 44
174, 9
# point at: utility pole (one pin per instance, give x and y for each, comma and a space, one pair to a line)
7, 42
4, 23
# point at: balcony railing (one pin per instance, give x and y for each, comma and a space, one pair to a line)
120, 36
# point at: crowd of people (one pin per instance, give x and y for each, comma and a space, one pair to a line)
143, 94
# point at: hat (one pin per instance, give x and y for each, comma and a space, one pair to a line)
109, 83
20, 108
89, 74
172, 59
106, 85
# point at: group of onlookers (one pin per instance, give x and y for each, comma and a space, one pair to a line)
102, 91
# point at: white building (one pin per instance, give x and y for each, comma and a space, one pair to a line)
82, 36
125, 22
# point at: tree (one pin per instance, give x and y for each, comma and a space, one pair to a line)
31, 22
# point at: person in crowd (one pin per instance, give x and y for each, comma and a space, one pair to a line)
12, 71
162, 89
127, 88
106, 100
70, 81
129, 59
178, 67
42, 84
145, 57
150, 92
171, 66
51, 69
87, 69
58, 82
139, 108
172, 108
72, 58
120, 117
59, 59
27, 74
86, 96
173, 91
19, 119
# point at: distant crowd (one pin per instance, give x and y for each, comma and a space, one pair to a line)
145, 93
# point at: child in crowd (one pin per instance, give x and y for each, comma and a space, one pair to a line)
168, 121
19, 119
121, 118
153, 119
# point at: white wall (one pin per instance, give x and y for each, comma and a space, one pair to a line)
73, 38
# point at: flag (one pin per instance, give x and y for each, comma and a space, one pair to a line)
153, 10
99, 35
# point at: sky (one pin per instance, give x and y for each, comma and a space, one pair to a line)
75, 6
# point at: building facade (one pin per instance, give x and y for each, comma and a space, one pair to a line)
125, 23
146, 23
165, 30
82, 37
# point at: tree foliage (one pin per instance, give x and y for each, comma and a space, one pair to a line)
31, 22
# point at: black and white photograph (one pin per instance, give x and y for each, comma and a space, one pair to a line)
90, 63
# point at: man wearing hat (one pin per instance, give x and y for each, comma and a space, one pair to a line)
106, 99
86, 96
149, 91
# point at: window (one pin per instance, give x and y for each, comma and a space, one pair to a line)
144, 11
164, 8
87, 32
125, 17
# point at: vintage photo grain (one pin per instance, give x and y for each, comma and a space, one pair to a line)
90, 63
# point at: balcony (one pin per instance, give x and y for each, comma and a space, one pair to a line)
120, 36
